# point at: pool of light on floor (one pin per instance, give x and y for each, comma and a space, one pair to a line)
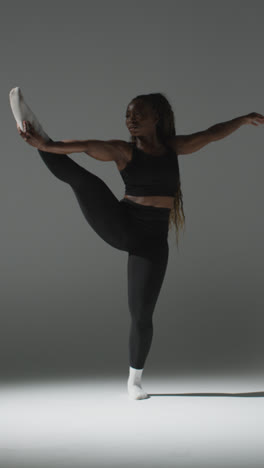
83, 423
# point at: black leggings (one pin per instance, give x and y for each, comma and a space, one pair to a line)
140, 230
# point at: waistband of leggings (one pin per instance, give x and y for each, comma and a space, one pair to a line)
155, 210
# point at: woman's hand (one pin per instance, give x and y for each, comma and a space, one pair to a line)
31, 136
253, 118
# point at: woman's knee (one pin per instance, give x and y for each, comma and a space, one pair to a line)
143, 323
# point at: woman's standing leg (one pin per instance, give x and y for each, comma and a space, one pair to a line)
145, 278
102, 210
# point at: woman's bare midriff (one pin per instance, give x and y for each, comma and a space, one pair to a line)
158, 201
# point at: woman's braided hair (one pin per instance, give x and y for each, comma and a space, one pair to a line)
165, 129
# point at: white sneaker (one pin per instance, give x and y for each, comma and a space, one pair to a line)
22, 111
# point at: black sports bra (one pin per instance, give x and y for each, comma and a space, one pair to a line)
146, 174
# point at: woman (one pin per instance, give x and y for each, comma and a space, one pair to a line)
138, 223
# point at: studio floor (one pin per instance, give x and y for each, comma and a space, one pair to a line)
186, 422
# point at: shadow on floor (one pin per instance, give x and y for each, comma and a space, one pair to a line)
248, 394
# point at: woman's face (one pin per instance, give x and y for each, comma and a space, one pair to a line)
140, 119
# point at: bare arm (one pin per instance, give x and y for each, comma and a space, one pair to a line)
109, 150
186, 144
221, 130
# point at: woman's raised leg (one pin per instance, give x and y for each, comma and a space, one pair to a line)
102, 210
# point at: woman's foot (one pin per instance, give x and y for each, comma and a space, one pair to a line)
135, 390
22, 111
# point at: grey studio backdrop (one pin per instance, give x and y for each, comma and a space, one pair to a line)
64, 309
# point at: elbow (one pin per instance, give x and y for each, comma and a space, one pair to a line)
210, 136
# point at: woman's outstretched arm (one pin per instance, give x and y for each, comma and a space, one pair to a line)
221, 130
109, 150
186, 144
65, 146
